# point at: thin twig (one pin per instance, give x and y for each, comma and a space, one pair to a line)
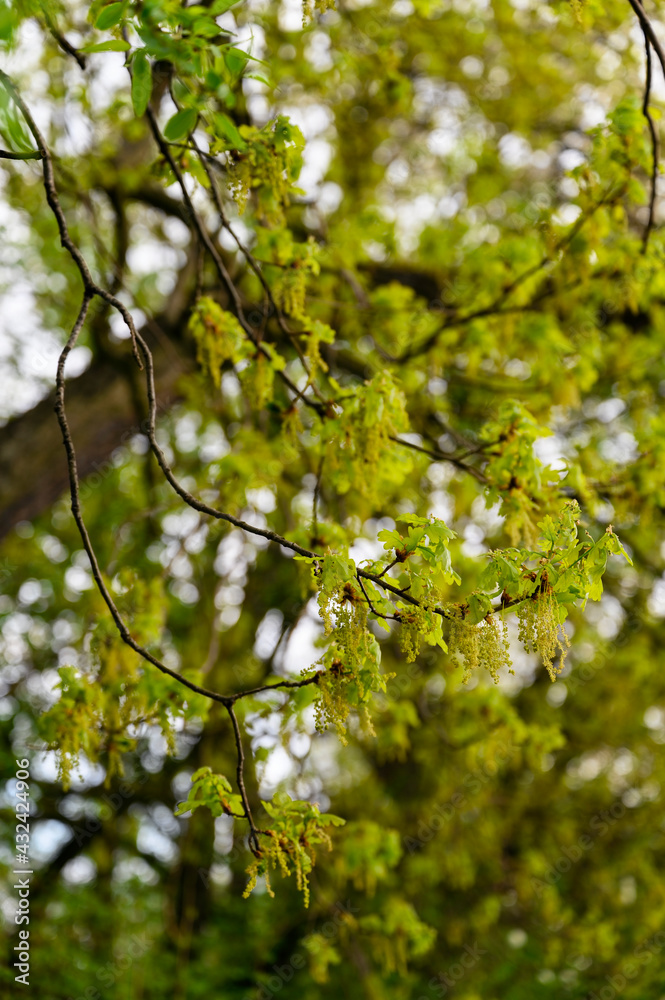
240, 777
387, 568
279, 684
90, 286
91, 289
654, 141
648, 30
65, 44
315, 500
441, 456
78, 517
395, 618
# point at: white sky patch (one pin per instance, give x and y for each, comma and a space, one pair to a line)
77, 133
609, 409
654, 717
571, 158
317, 51
443, 141
28, 355
412, 216
514, 150
85, 775
300, 651
276, 769
26, 57
474, 536
268, 633
620, 448
607, 615
313, 120
366, 548
656, 601
109, 75
550, 451
128, 868
47, 837
290, 15
566, 215
316, 160
79, 871
41, 687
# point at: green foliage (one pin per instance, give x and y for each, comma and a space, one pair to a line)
367, 853
353, 660
141, 82
212, 791
397, 934
72, 726
218, 336
514, 471
268, 165
567, 562
359, 448
296, 830
481, 644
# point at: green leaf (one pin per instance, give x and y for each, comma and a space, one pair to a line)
415, 534
109, 16
235, 60
115, 45
479, 607
229, 131
329, 819
8, 21
180, 125
141, 83
390, 539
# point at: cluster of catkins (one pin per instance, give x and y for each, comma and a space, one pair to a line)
483, 645
344, 614
541, 631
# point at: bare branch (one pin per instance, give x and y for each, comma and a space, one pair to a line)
90, 286
441, 456
654, 140
65, 44
648, 31
240, 773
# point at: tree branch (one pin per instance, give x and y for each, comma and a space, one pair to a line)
654, 139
